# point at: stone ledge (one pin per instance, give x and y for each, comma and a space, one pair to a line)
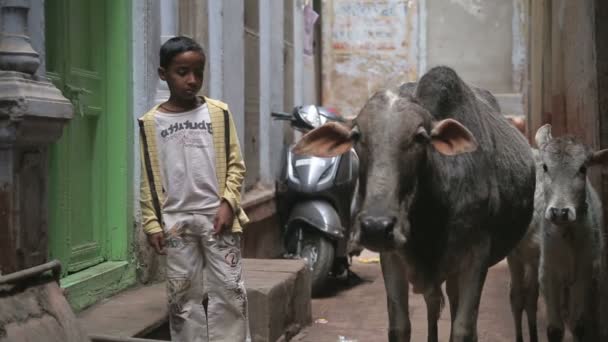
101, 281
259, 203
131, 313
278, 293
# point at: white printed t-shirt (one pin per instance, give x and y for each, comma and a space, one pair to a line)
187, 161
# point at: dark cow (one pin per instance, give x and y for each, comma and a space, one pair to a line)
447, 190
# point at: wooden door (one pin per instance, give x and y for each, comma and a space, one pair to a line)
77, 65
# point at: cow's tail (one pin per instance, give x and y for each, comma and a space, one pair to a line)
441, 301
437, 293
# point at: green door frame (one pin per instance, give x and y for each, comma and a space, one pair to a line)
120, 160
118, 272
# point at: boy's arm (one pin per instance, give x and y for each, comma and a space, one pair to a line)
150, 222
235, 172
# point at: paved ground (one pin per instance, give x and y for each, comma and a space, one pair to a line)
358, 311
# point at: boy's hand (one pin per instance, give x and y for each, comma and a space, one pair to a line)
224, 218
157, 241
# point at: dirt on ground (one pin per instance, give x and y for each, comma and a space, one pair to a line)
355, 310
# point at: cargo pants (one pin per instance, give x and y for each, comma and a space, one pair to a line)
204, 268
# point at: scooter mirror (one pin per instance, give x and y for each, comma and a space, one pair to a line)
310, 116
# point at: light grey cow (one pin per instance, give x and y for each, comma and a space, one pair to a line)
564, 243
572, 242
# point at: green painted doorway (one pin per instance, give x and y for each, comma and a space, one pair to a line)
88, 59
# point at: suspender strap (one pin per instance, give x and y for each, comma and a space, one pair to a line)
149, 172
226, 136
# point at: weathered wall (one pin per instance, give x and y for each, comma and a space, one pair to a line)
262, 239
565, 79
475, 38
311, 57
574, 107
37, 312
569, 83
252, 91
371, 44
146, 30
365, 45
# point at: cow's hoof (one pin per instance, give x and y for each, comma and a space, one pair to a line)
555, 334
399, 335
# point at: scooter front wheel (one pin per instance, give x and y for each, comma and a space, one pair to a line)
318, 252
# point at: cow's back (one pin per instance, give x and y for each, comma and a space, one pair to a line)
490, 190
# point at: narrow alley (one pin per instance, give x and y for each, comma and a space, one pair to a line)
357, 311
302, 128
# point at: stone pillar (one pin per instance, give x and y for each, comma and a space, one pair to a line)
271, 88
168, 29
233, 62
298, 53
32, 115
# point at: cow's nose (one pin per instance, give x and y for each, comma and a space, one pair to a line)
379, 225
560, 214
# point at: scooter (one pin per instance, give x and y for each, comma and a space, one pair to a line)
316, 200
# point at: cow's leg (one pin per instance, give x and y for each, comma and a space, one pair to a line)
552, 293
394, 272
584, 311
532, 301
470, 284
517, 294
602, 288
451, 288
434, 303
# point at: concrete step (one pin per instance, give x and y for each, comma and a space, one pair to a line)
279, 304
279, 297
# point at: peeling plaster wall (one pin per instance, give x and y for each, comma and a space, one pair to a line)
146, 31
520, 45
482, 40
367, 45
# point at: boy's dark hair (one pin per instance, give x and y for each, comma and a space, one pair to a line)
175, 46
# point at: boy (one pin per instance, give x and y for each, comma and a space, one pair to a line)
192, 172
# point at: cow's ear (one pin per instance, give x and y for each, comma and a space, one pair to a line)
451, 138
599, 158
329, 140
543, 135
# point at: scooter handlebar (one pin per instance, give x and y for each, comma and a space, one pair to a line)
282, 116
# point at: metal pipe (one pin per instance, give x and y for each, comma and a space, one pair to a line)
54, 266
105, 338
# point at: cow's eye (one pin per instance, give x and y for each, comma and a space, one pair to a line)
545, 168
583, 169
422, 136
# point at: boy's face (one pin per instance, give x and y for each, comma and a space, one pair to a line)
184, 75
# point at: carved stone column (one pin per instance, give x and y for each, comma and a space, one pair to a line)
32, 115
169, 22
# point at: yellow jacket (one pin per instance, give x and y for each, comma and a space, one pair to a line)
229, 173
